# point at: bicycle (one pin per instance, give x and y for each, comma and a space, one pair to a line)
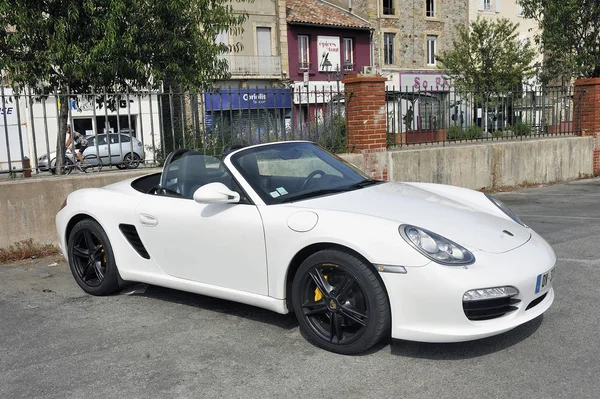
93, 164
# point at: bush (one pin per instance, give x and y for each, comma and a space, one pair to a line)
520, 128
454, 132
471, 133
26, 249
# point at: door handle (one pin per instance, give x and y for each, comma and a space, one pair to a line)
148, 220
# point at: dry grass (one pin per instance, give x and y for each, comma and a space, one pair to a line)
26, 249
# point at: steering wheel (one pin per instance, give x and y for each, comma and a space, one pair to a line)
311, 176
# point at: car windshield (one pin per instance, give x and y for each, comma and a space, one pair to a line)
288, 172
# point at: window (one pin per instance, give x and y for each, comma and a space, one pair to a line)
114, 138
222, 38
292, 171
388, 48
489, 5
348, 55
303, 58
263, 40
431, 43
388, 7
430, 8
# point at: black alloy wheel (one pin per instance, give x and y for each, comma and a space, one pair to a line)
340, 302
91, 258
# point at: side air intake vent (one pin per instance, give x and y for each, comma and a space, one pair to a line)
132, 236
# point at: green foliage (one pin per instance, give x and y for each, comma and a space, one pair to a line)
520, 128
570, 36
74, 46
471, 133
117, 44
488, 57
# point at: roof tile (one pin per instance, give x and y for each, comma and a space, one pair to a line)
322, 13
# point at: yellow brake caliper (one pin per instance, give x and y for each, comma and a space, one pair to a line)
318, 293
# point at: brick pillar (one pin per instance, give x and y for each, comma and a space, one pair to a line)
367, 122
365, 112
586, 113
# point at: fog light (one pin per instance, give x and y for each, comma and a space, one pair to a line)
490, 293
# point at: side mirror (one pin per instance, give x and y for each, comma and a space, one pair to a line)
216, 193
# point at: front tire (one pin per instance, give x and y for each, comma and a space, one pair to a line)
91, 258
340, 303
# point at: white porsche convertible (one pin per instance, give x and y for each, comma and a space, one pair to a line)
289, 227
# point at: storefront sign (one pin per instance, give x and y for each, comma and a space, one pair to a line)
248, 99
8, 109
424, 82
328, 51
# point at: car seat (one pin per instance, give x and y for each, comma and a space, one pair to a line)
192, 173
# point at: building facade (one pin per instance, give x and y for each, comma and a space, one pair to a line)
409, 34
255, 100
325, 43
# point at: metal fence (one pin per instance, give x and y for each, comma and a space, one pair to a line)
416, 117
153, 123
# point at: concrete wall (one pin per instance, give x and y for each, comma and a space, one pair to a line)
28, 206
497, 164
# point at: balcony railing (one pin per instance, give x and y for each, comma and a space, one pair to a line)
253, 65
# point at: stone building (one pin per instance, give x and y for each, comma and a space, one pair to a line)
408, 36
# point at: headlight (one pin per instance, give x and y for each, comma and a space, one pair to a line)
436, 247
506, 210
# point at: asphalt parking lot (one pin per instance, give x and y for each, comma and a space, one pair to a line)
57, 342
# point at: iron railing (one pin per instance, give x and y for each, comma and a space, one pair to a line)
443, 114
162, 121
154, 123
253, 65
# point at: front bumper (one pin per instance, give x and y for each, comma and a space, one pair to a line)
426, 302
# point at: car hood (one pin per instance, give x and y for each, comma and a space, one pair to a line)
473, 227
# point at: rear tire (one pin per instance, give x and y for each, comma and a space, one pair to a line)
91, 258
131, 162
340, 302
67, 167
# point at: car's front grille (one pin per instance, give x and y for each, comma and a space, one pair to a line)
132, 236
536, 301
487, 309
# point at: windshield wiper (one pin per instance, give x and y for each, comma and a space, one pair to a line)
315, 193
364, 183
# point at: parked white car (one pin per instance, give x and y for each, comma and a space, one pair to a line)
126, 154
290, 227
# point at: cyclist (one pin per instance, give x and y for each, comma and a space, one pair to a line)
80, 144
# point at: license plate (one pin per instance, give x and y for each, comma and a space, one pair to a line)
544, 281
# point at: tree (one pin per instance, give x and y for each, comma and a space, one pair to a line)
488, 58
76, 46
569, 36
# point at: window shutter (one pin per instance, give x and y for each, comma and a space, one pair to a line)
480, 6
497, 5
